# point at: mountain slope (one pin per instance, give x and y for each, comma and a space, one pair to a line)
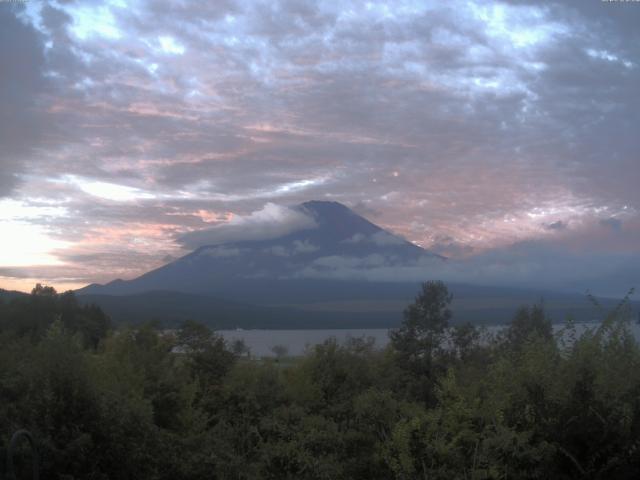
8, 295
315, 277
231, 270
171, 308
379, 307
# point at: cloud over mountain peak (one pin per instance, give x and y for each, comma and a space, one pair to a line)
272, 221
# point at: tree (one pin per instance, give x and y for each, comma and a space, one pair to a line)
527, 322
418, 343
87, 320
464, 339
240, 348
43, 291
280, 351
208, 357
425, 322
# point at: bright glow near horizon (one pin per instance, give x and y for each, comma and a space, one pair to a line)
23, 244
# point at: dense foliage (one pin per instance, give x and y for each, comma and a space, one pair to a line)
437, 403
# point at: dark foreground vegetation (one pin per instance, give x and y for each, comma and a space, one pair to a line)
438, 403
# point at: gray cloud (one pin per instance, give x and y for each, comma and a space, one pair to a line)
486, 124
297, 247
272, 221
168, 258
612, 223
21, 81
557, 225
379, 238
536, 265
221, 252
448, 247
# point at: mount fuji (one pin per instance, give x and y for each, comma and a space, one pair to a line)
335, 244
334, 268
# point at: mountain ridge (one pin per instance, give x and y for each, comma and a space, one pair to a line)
290, 281
339, 234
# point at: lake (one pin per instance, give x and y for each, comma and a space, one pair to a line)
260, 342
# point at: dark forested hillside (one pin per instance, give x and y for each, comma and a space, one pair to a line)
171, 308
6, 295
438, 402
365, 305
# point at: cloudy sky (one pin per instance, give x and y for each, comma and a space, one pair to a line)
476, 129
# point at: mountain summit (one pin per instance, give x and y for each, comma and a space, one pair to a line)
323, 266
335, 243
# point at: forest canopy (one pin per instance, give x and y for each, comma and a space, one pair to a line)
438, 402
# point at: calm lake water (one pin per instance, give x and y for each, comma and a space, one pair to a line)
261, 342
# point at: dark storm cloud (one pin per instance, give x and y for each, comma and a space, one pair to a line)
612, 223
480, 123
558, 225
21, 80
